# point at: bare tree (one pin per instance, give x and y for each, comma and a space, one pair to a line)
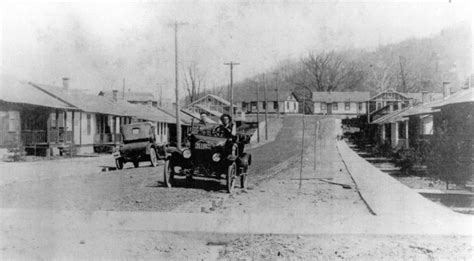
194, 82
329, 72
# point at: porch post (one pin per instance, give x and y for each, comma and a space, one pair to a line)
394, 134
382, 133
80, 128
406, 134
57, 126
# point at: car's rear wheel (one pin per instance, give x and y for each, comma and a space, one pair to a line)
119, 163
136, 163
153, 158
168, 174
230, 178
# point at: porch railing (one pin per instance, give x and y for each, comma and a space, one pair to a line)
107, 138
60, 136
29, 137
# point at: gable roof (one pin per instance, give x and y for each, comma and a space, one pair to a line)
341, 96
212, 96
99, 104
462, 96
130, 96
250, 95
81, 100
197, 117
16, 91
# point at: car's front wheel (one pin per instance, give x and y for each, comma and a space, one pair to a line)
136, 163
168, 174
230, 178
153, 158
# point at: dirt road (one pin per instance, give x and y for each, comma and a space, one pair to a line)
325, 219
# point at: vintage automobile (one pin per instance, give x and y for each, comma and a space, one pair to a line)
139, 144
212, 153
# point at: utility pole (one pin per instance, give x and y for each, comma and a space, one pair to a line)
266, 105
276, 90
231, 92
175, 26
123, 89
258, 113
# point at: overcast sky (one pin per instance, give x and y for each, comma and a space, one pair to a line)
99, 44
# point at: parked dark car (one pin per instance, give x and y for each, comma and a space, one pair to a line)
211, 153
139, 144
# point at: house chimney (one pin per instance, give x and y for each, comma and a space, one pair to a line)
114, 94
424, 97
446, 89
66, 83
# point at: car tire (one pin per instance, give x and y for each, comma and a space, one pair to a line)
119, 163
168, 174
230, 177
136, 163
153, 158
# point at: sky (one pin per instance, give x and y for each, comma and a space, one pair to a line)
97, 44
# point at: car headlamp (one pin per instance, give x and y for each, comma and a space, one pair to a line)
186, 153
216, 157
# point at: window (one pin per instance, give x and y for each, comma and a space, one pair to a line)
264, 105
379, 105
294, 106
361, 106
253, 105
323, 106
347, 106
334, 106
275, 105
395, 106
287, 105
244, 106
53, 120
88, 124
12, 121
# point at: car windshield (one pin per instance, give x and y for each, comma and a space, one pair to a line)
204, 130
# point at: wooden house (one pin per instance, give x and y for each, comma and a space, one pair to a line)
340, 103
33, 120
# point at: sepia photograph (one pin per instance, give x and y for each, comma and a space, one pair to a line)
236, 130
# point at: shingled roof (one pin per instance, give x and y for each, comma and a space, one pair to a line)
17, 91
130, 96
341, 96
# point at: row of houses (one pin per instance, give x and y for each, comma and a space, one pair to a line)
57, 120
447, 120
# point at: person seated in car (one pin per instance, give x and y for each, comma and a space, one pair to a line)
227, 126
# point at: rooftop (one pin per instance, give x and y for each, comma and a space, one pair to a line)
341, 96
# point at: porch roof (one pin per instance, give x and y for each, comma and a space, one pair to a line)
392, 117
16, 91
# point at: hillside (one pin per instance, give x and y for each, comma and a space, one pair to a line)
412, 65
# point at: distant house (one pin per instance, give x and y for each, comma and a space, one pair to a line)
34, 120
142, 98
340, 103
390, 100
284, 102
211, 102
